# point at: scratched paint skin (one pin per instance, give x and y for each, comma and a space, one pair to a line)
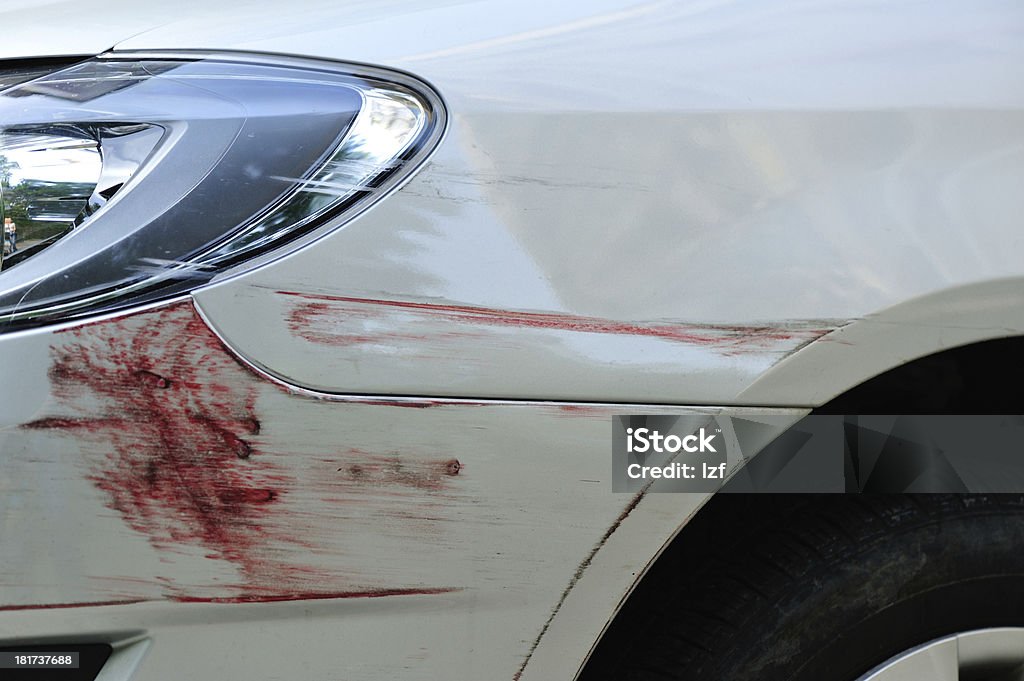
334, 320
158, 468
197, 479
331, 340
170, 431
174, 473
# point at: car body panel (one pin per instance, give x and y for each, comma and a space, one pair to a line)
638, 208
879, 192
197, 481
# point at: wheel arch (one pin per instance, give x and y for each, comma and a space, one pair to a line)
872, 345
951, 353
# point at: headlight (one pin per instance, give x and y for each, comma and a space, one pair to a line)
125, 179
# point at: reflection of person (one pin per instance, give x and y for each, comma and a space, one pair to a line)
11, 232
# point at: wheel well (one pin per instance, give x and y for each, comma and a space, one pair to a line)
981, 378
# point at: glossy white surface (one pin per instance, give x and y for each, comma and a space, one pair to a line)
796, 167
863, 223
632, 56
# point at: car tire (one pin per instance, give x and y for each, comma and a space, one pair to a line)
818, 588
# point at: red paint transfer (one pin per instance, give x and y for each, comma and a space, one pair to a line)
168, 426
91, 604
178, 416
319, 596
250, 598
317, 320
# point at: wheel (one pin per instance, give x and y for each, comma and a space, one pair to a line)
983, 655
827, 588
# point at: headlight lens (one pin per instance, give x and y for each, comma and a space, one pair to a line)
128, 179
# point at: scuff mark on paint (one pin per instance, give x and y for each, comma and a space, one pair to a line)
320, 596
178, 417
310, 316
250, 598
166, 421
391, 470
576, 576
88, 604
410, 404
583, 410
339, 320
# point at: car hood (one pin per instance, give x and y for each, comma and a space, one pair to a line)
75, 27
384, 32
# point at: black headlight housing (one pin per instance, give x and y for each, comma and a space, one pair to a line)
129, 178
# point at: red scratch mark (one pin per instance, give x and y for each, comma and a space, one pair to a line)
251, 598
309, 317
166, 422
92, 604
318, 596
316, 321
586, 409
409, 404
178, 415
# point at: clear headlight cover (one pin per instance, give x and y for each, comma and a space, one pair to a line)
126, 179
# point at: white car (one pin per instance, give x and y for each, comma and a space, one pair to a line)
325, 316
